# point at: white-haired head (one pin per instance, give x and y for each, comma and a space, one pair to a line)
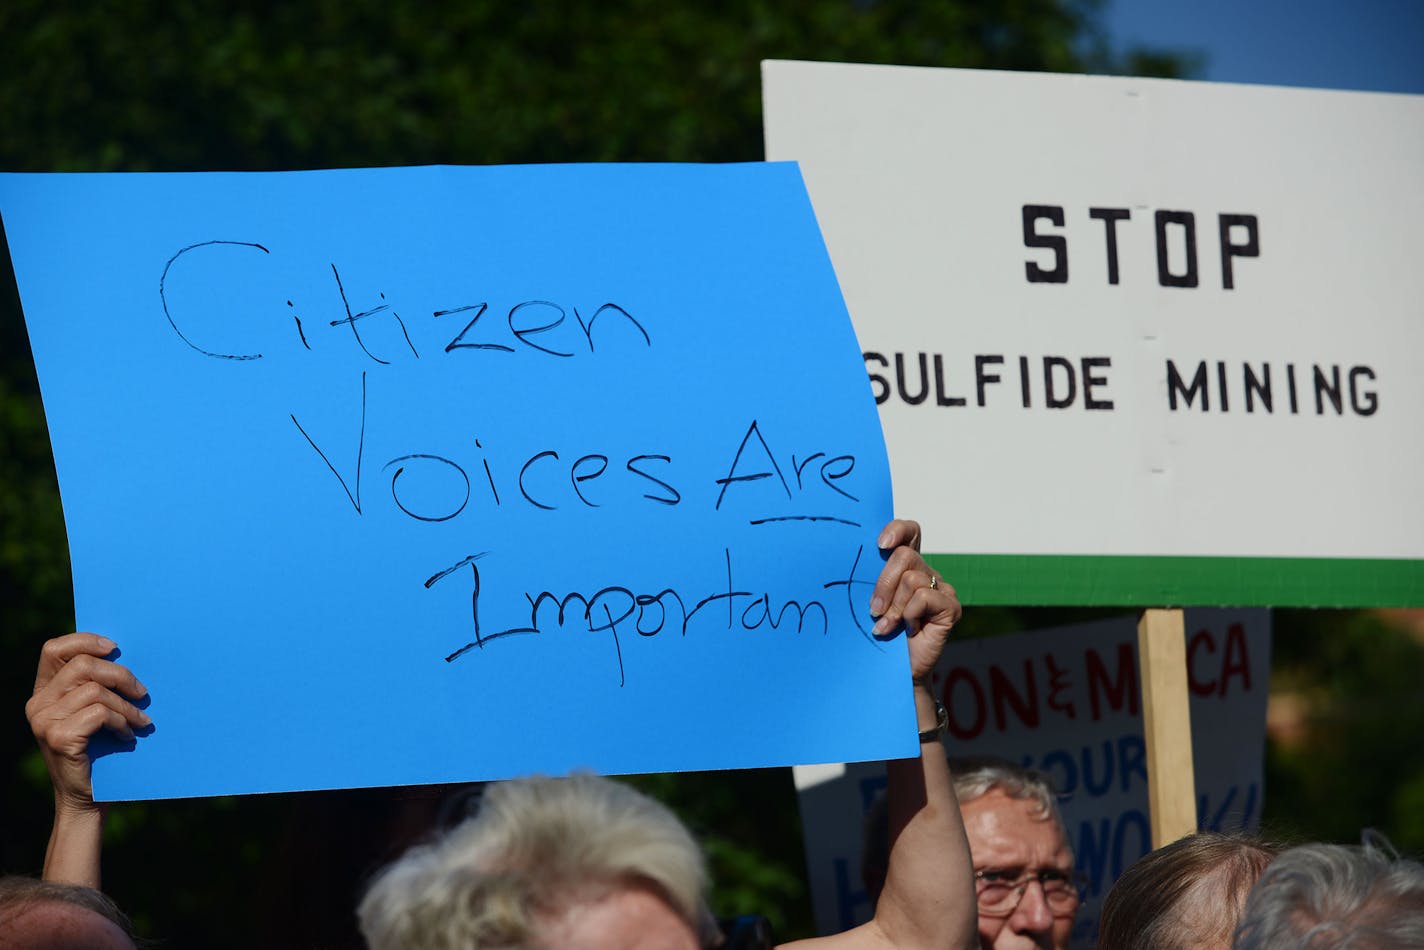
973, 777
976, 776
536, 847
1330, 895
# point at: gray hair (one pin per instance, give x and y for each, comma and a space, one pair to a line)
18, 895
1329, 895
972, 776
978, 775
536, 846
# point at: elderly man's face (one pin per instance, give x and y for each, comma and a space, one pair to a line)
1008, 835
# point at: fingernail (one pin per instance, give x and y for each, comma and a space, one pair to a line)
880, 626
885, 540
877, 605
144, 719
107, 645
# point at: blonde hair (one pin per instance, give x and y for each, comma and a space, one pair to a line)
1184, 893
536, 846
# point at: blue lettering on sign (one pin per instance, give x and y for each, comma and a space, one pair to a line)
848, 897
1108, 847
1100, 767
1230, 815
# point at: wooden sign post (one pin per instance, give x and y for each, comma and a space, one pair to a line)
1167, 724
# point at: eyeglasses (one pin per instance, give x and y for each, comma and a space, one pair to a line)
1001, 891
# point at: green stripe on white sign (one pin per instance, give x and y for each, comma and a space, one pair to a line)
1091, 580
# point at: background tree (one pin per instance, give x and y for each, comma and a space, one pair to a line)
140, 86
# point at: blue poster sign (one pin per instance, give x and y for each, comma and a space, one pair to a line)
419, 475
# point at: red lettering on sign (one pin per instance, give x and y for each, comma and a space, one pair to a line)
1058, 683
1119, 689
1200, 639
1025, 704
960, 730
1235, 662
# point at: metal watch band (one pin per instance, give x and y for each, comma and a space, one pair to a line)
941, 726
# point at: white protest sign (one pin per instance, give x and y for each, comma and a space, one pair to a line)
1067, 701
1134, 341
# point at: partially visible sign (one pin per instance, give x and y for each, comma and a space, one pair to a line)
1164, 334
423, 475
1067, 701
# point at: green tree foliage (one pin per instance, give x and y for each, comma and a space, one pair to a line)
1359, 760
141, 85
202, 85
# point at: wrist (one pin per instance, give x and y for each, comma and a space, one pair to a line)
72, 810
930, 714
75, 842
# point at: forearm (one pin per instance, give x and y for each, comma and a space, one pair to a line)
78, 693
75, 842
928, 900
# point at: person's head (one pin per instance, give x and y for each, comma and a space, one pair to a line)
547, 862
43, 915
1023, 865
1329, 895
1184, 895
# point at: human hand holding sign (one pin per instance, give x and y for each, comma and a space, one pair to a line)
928, 899
77, 693
911, 593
